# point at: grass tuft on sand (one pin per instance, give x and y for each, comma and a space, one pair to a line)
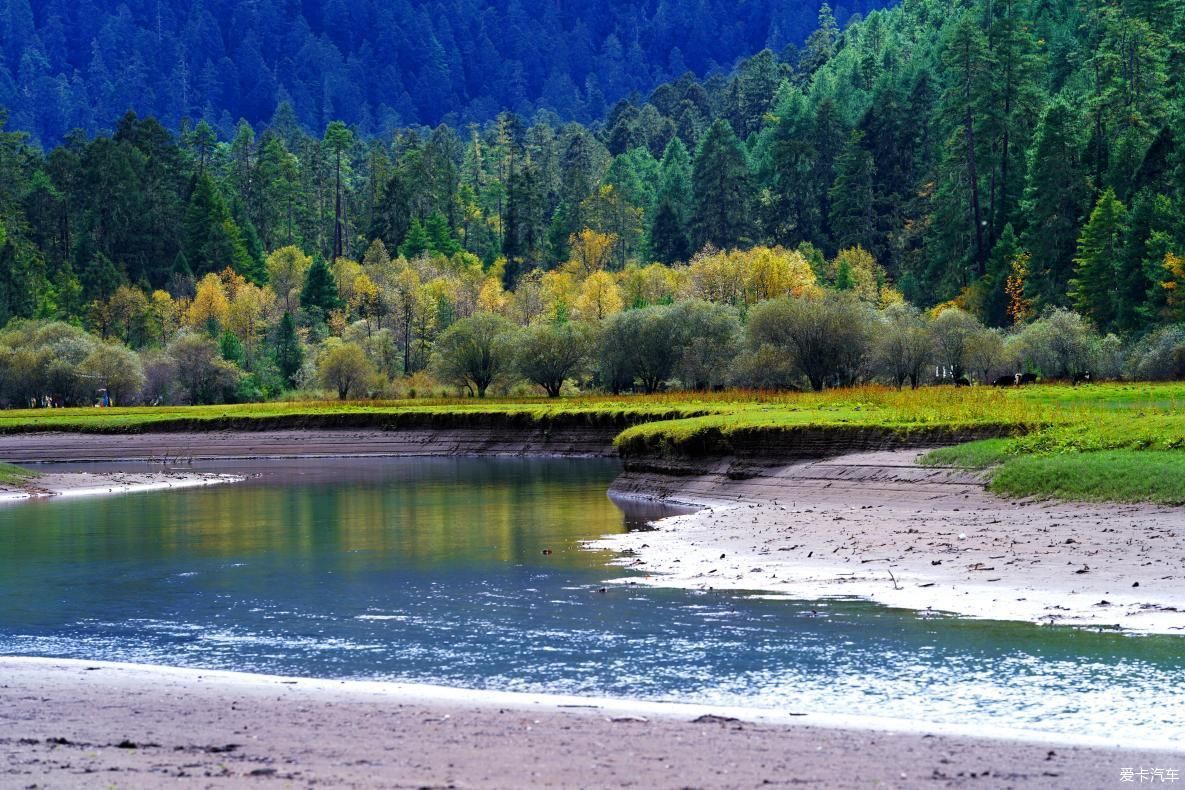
13, 475
973, 455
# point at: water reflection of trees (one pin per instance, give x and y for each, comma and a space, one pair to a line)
454, 515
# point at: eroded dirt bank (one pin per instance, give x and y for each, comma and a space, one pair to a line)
882, 527
78, 724
172, 447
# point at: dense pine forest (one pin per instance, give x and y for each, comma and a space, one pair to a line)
377, 65
964, 190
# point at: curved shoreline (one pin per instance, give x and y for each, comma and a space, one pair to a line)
880, 527
869, 525
427, 693
62, 720
62, 485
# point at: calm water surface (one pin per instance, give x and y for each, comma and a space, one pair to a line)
470, 573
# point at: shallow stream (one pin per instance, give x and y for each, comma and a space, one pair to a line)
469, 572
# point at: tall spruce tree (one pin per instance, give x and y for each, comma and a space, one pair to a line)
288, 352
1151, 227
673, 205
1095, 286
524, 232
668, 235
320, 296
967, 68
578, 180
853, 214
723, 191
417, 241
995, 299
1056, 193
674, 183
827, 137
338, 140
792, 213
1014, 99
212, 239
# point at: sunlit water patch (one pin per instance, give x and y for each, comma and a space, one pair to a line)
470, 573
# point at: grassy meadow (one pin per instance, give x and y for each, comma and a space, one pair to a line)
1117, 442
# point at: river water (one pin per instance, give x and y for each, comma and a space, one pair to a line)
470, 572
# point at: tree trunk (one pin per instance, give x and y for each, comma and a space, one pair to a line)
337, 212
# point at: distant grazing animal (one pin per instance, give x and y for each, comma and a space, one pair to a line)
1080, 378
962, 381
1026, 378
1005, 381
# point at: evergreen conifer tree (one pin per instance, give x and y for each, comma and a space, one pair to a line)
668, 239
289, 354
853, 215
723, 192
320, 295
1094, 288
417, 242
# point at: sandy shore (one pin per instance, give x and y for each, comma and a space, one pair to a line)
80, 724
881, 527
73, 484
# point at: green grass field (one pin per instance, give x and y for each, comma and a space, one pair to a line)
1119, 442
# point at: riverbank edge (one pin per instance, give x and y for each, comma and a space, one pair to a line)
577, 435
430, 694
777, 533
735, 480
66, 485
64, 722
747, 453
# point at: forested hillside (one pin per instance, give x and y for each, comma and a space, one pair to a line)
375, 64
1001, 158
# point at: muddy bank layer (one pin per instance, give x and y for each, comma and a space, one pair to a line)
171, 447
880, 526
753, 452
748, 453
65, 723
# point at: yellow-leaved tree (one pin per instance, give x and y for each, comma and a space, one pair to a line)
774, 272
559, 292
718, 276
492, 298
366, 302
856, 270
654, 284
164, 318
210, 307
591, 252
249, 312
1020, 308
1174, 284
599, 298
286, 268
745, 277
